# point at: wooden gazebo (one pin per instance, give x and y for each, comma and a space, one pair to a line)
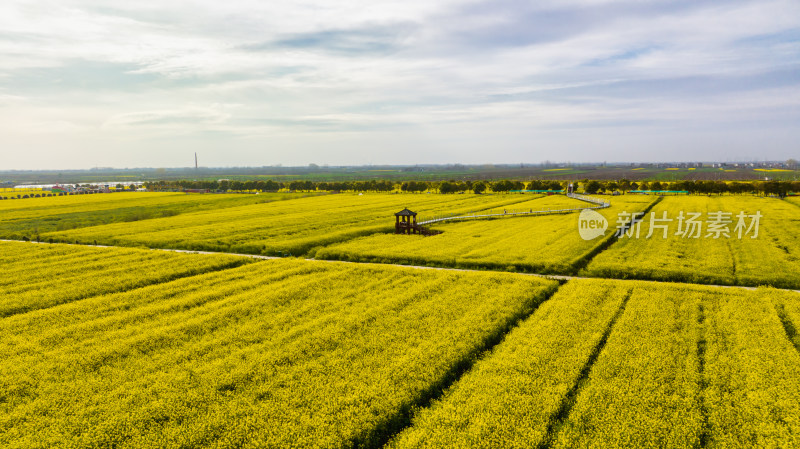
405, 222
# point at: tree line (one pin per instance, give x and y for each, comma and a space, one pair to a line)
780, 188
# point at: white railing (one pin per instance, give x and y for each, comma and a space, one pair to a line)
598, 204
589, 199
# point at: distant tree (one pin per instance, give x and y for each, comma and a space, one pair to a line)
447, 187
536, 185
506, 185
271, 185
414, 186
501, 186
478, 187
776, 188
591, 187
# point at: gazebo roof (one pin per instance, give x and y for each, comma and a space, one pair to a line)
406, 213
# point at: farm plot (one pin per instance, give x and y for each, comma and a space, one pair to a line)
282, 228
769, 259
752, 370
629, 364
277, 353
34, 216
541, 202
36, 276
644, 390
508, 398
544, 244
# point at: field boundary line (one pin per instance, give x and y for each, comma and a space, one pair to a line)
788, 325
404, 418
702, 345
785, 200
233, 264
599, 204
172, 250
556, 277
584, 261
558, 418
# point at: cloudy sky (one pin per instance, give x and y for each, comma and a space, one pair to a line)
147, 83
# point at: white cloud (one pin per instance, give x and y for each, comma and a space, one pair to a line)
168, 73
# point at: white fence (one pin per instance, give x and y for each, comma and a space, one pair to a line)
598, 204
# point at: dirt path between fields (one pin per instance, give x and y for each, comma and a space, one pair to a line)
557, 277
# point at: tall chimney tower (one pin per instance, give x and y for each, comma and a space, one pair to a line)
195, 161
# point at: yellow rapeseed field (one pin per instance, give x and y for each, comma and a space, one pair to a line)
544, 244
279, 353
772, 258
35, 216
281, 228
613, 364
36, 276
129, 347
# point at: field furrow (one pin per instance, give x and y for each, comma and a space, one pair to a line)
752, 371
273, 354
543, 244
643, 391
32, 281
510, 398
35, 216
288, 227
769, 257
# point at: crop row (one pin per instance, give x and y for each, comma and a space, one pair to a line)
322, 354
32, 217
280, 353
509, 398
683, 366
543, 244
288, 227
37, 276
771, 258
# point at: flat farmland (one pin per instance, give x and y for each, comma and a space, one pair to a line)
36, 276
541, 202
130, 347
543, 244
630, 364
277, 353
291, 227
769, 259
35, 216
